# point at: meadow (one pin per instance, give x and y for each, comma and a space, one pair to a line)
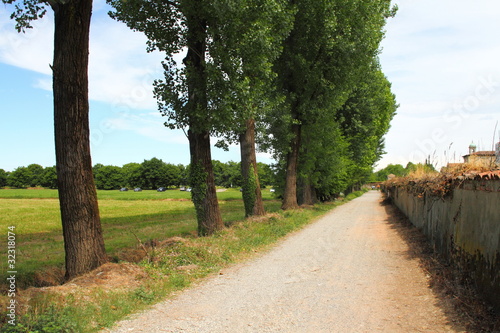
127, 218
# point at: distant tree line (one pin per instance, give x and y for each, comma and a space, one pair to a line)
31, 176
150, 174
400, 171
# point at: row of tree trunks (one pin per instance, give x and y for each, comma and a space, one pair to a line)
83, 240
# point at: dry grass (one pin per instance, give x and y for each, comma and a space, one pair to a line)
425, 181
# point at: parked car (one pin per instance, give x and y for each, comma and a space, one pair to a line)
272, 190
189, 189
182, 188
161, 189
137, 189
123, 189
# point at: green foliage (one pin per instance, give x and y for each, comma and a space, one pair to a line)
132, 173
49, 178
364, 120
266, 174
26, 11
198, 182
108, 177
392, 169
36, 172
227, 174
20, 178
31, 176
3, 178
51, 320
334, 94
153, 173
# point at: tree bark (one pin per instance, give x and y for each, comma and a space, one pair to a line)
83, 239
202, 179
290, 194
252, 195
307, 192
203, 184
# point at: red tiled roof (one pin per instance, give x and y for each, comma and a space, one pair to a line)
484, 153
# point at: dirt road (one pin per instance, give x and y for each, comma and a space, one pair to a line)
347, 272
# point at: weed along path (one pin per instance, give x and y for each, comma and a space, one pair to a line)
350, 271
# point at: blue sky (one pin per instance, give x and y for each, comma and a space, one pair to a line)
442, 58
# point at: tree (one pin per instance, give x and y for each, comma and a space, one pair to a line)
83, 240
3, 178
20, 178
172, 26
172, 175
249, 43
49, 177
109, 177
331, 46
364, 120
394, 169
266, 174
154, 173
133, 175
36, 174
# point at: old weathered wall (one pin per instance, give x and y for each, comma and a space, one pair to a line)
463, 225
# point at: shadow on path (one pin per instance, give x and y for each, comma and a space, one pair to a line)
458, 299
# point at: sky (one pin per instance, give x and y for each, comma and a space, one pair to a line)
442, 58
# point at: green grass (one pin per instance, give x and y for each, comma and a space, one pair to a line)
226, 194
40, 249
125, 216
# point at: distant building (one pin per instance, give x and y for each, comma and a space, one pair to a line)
480, 159
484, 158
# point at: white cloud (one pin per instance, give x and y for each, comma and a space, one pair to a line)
148, 126
31, 50
120, 70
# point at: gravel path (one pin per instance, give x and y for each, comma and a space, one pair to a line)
347, 272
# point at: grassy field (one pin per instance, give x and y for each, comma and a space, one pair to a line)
224, 194
125, 216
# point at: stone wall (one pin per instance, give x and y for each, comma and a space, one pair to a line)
463, 225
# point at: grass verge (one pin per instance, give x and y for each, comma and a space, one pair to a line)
100, 298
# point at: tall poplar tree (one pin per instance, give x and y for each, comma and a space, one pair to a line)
248, 43
173, 27
332, 43
83, 240
216, 90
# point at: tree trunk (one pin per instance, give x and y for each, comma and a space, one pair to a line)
202, 180
252, 195
203, 184
290, 194
307, 192
83, 239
